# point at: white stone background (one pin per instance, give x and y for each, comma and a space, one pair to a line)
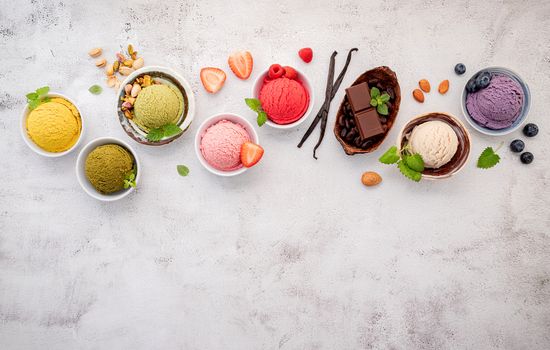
295, 253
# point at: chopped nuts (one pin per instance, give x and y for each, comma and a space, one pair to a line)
95, 52
128, 89
136, 89
101, 62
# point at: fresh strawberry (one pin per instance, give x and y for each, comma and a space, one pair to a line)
241, 64
290, 72
212, 79
306, 54
251, 154
276, 71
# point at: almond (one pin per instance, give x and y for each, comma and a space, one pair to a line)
95, 52
418, 95
101, 62
370, 178
424, 85
443, 87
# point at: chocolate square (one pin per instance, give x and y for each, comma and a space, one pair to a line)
359, 97
368, 123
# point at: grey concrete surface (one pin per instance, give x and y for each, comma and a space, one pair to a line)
296, 253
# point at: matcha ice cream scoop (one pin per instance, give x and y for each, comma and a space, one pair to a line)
158, 105
107, 167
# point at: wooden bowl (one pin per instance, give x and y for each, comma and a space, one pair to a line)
385, 79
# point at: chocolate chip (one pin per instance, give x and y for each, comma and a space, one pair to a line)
352, 133
346, 122
390, 92
341, 121
343, 133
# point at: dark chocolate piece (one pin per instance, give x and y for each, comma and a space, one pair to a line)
368, 123
359, 97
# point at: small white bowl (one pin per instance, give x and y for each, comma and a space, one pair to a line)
167, 74
37, 149
305, 81
213, 120
81, 173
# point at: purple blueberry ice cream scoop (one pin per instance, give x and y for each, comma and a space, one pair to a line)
498, 105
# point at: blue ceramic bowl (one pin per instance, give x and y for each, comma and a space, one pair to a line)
524, 109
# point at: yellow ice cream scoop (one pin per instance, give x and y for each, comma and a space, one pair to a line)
55, 126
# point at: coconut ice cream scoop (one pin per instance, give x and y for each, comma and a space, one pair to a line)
435, 141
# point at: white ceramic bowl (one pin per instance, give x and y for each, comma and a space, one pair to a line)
524, 109
173, 77
213, 120
37, 148
81, 174
305, 81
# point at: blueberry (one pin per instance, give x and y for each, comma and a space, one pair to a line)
471, 86
460, 69
530, 130
526, 157
483, 80
517, 146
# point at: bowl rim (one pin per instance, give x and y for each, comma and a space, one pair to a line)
522, 118
37, 149
212, 120
188, 91
459, 123
82, 180
307, 84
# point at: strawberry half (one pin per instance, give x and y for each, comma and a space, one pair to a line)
241, 63
251, 154
306, 54
212, 79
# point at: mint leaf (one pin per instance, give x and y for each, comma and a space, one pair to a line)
385, 97
95, 89
373, 102
408, 172
155, 135
43, 90
130, 179
171, 129
46, 99
414, 162
183, 170
488, 158
262, 118
254, 104
34, 103
374, 92
382, 109
390, 157
31, 96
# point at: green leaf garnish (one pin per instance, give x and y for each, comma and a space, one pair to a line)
415, 162
385, 97
410, 165
379, 101
374, 92
157, 134
488, 158
373, 102
95, 89
183, 170
255, 105
408, 172
382, 109
34, 99
130, 178
390, 157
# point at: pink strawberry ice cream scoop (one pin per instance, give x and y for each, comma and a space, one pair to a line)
221, 145
284, 100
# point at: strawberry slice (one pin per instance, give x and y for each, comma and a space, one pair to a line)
212, 79
251, 154
241, 64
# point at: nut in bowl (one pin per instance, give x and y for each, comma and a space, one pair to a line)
440, 139
155, 105
54, 127
286, 96
496, 101
220, 144
108, 169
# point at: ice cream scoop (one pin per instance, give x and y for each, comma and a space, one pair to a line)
107, 166
435, 141
158, 105
221, 144
498, 105
54, 126
284, 100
